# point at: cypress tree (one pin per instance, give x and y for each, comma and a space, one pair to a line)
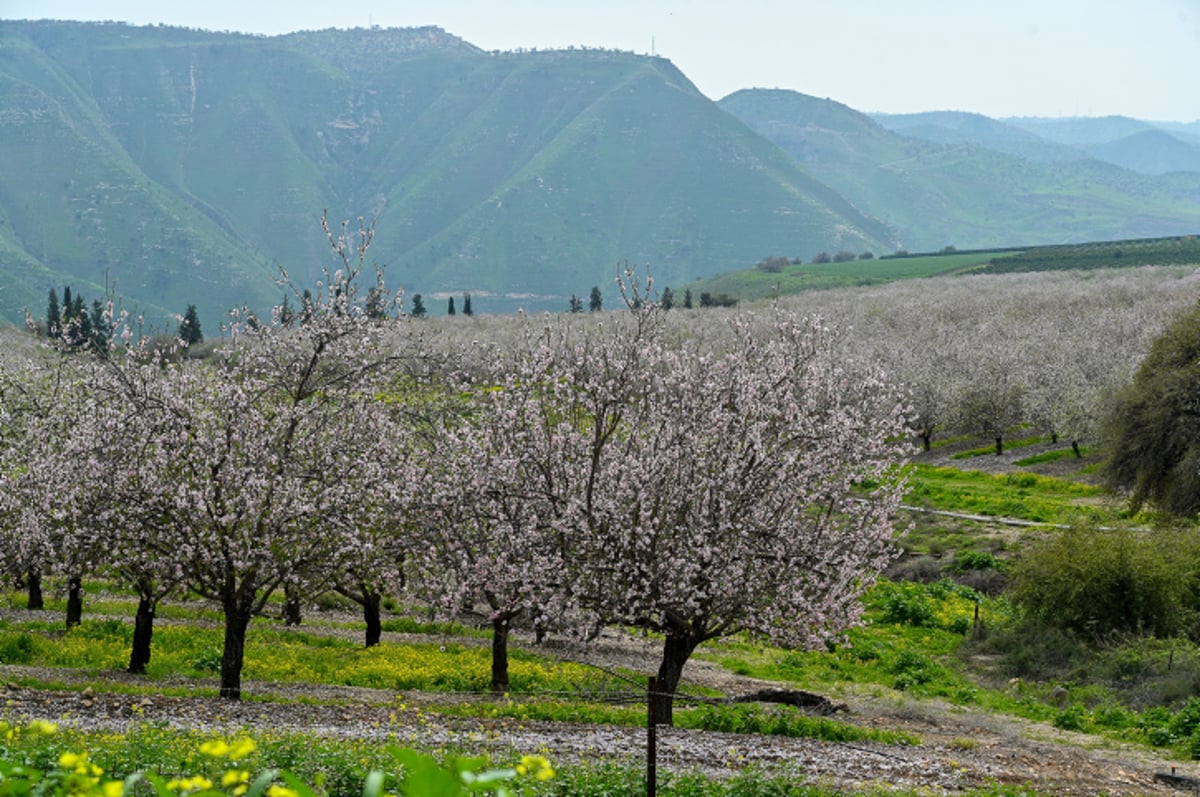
450, 307
53, 316
189, 328
467, 304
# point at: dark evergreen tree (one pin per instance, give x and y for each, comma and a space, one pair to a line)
99, 328
467, 304
595, 301
668, 299
189, 328
450, 307
418, 306
575, 304
687, 299
287, 315
53, 316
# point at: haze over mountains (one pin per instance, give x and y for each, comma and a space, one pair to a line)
187, 166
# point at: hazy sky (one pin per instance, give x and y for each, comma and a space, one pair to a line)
996, 57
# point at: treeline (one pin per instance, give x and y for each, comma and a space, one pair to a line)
76, 327
1180, 250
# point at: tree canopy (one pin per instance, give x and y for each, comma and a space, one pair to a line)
1154, 429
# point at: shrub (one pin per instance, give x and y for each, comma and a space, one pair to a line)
17, 650
1099, 582
913, 669
976, 560
907, 604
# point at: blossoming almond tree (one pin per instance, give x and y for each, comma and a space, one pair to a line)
485, 493
744, 483
262, 466
42, 498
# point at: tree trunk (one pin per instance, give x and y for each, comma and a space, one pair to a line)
291, 607
999, 446
927, 439
1054, 438
500, 654
74, 601
677, 649
33, 583
371, 616
1075, 448
143, 632
237, 620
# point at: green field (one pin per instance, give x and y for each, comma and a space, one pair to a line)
752, 284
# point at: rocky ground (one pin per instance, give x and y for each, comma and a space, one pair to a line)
960, 748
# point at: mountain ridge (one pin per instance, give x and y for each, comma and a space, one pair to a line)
497, 173
189, 167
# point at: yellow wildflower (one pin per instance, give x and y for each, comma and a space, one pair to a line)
216, 748
234, 777
538, 765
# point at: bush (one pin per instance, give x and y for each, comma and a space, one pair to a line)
1073, 718
907, 604
17, 650
1100, 583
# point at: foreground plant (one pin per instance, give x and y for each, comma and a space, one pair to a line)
228, 772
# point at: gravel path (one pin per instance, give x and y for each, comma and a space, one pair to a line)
960, 748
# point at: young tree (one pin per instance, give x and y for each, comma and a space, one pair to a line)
574, 304
418, 306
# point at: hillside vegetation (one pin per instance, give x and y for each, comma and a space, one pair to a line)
969, 186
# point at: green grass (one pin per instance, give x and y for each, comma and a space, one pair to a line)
1049, 456
290, 656
752, 283
1025, 496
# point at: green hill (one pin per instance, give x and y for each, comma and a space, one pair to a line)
965, 194
187, 166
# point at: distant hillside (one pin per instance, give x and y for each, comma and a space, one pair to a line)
1150, 152
186, 166
957, 127
1081, 131
966, 194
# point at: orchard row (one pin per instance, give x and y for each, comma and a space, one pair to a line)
697, 473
